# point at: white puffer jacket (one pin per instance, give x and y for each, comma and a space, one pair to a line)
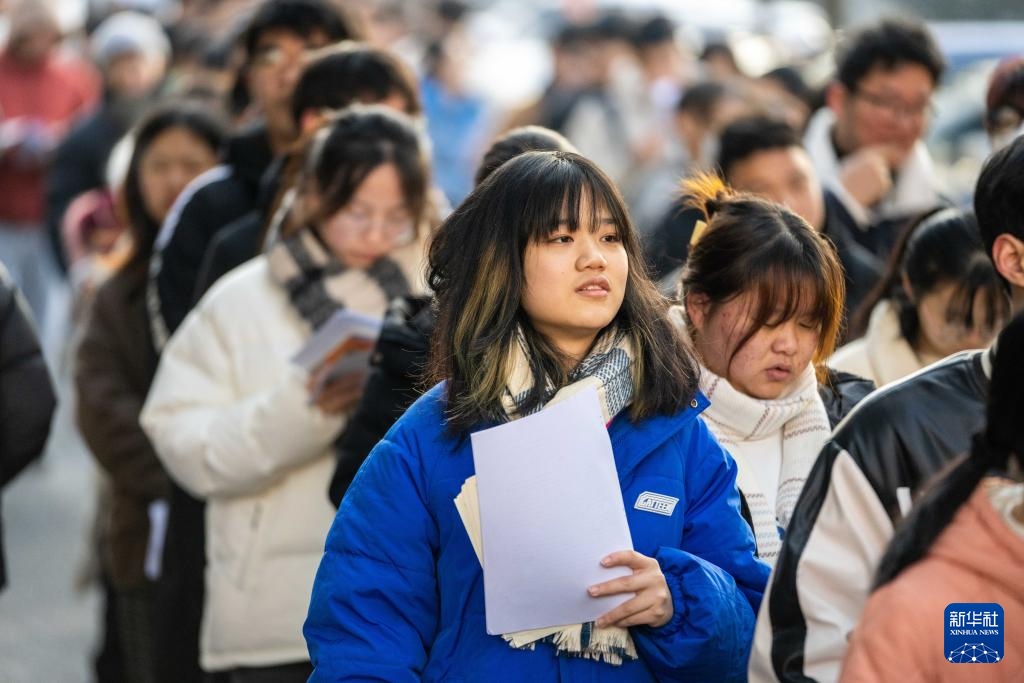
230, 418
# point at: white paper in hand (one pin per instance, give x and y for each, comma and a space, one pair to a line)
550, 510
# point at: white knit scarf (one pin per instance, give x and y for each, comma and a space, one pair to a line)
891, 356
737, 419
608, 368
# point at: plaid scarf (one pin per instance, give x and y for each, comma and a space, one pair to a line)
607, 368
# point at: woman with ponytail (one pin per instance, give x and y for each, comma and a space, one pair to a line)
964, 543
762, 296
541, 293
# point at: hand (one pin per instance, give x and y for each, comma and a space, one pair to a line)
866, 174
652, 605
340, 394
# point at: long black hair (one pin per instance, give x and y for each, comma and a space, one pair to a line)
194, 117
477, 274
992, 451
941, 247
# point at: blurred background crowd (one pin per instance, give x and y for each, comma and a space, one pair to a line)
111, 109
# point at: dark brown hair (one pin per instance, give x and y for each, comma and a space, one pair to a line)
477, 274
757, 246
519, 140
941, 247
356, 142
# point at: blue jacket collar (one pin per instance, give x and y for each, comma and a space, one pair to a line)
631, 442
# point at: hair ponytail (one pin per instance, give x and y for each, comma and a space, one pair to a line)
707, 193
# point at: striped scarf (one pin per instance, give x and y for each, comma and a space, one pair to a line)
317, 282
737, 419
608, 368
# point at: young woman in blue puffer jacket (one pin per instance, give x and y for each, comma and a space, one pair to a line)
541, 293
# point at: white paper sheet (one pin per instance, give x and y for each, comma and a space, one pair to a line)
153, 563
550, 510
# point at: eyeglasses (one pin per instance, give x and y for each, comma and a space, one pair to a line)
358, 222
894, 107
290, 52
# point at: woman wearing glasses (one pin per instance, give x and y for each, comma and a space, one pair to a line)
233, 419
940, 295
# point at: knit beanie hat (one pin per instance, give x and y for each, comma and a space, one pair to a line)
128, 33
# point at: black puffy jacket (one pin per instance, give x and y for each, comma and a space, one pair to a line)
862, 484
230, 191
395, 382
27, 400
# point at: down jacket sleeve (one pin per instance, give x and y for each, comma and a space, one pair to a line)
368, 578
715, 580
26, 394
215, 439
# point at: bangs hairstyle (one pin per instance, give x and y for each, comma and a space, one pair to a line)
356, 142
190, 116
755, 246
477, 274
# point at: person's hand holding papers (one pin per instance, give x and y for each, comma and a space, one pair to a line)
652, 605
337, 358
338, 394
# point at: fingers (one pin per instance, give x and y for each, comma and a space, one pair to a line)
623, 584
652, 607
654, 616
652, 604
640, 603
341, 394
893, 155
627, 558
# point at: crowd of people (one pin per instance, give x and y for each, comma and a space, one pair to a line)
793, 332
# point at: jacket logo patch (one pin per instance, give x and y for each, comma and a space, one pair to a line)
656, 503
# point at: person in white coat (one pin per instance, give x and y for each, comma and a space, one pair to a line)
232, 417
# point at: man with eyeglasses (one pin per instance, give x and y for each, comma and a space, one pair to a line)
866, 142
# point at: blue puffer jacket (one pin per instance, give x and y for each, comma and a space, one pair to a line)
399, 595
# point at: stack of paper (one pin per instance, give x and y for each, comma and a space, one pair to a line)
550, 508
340, 346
